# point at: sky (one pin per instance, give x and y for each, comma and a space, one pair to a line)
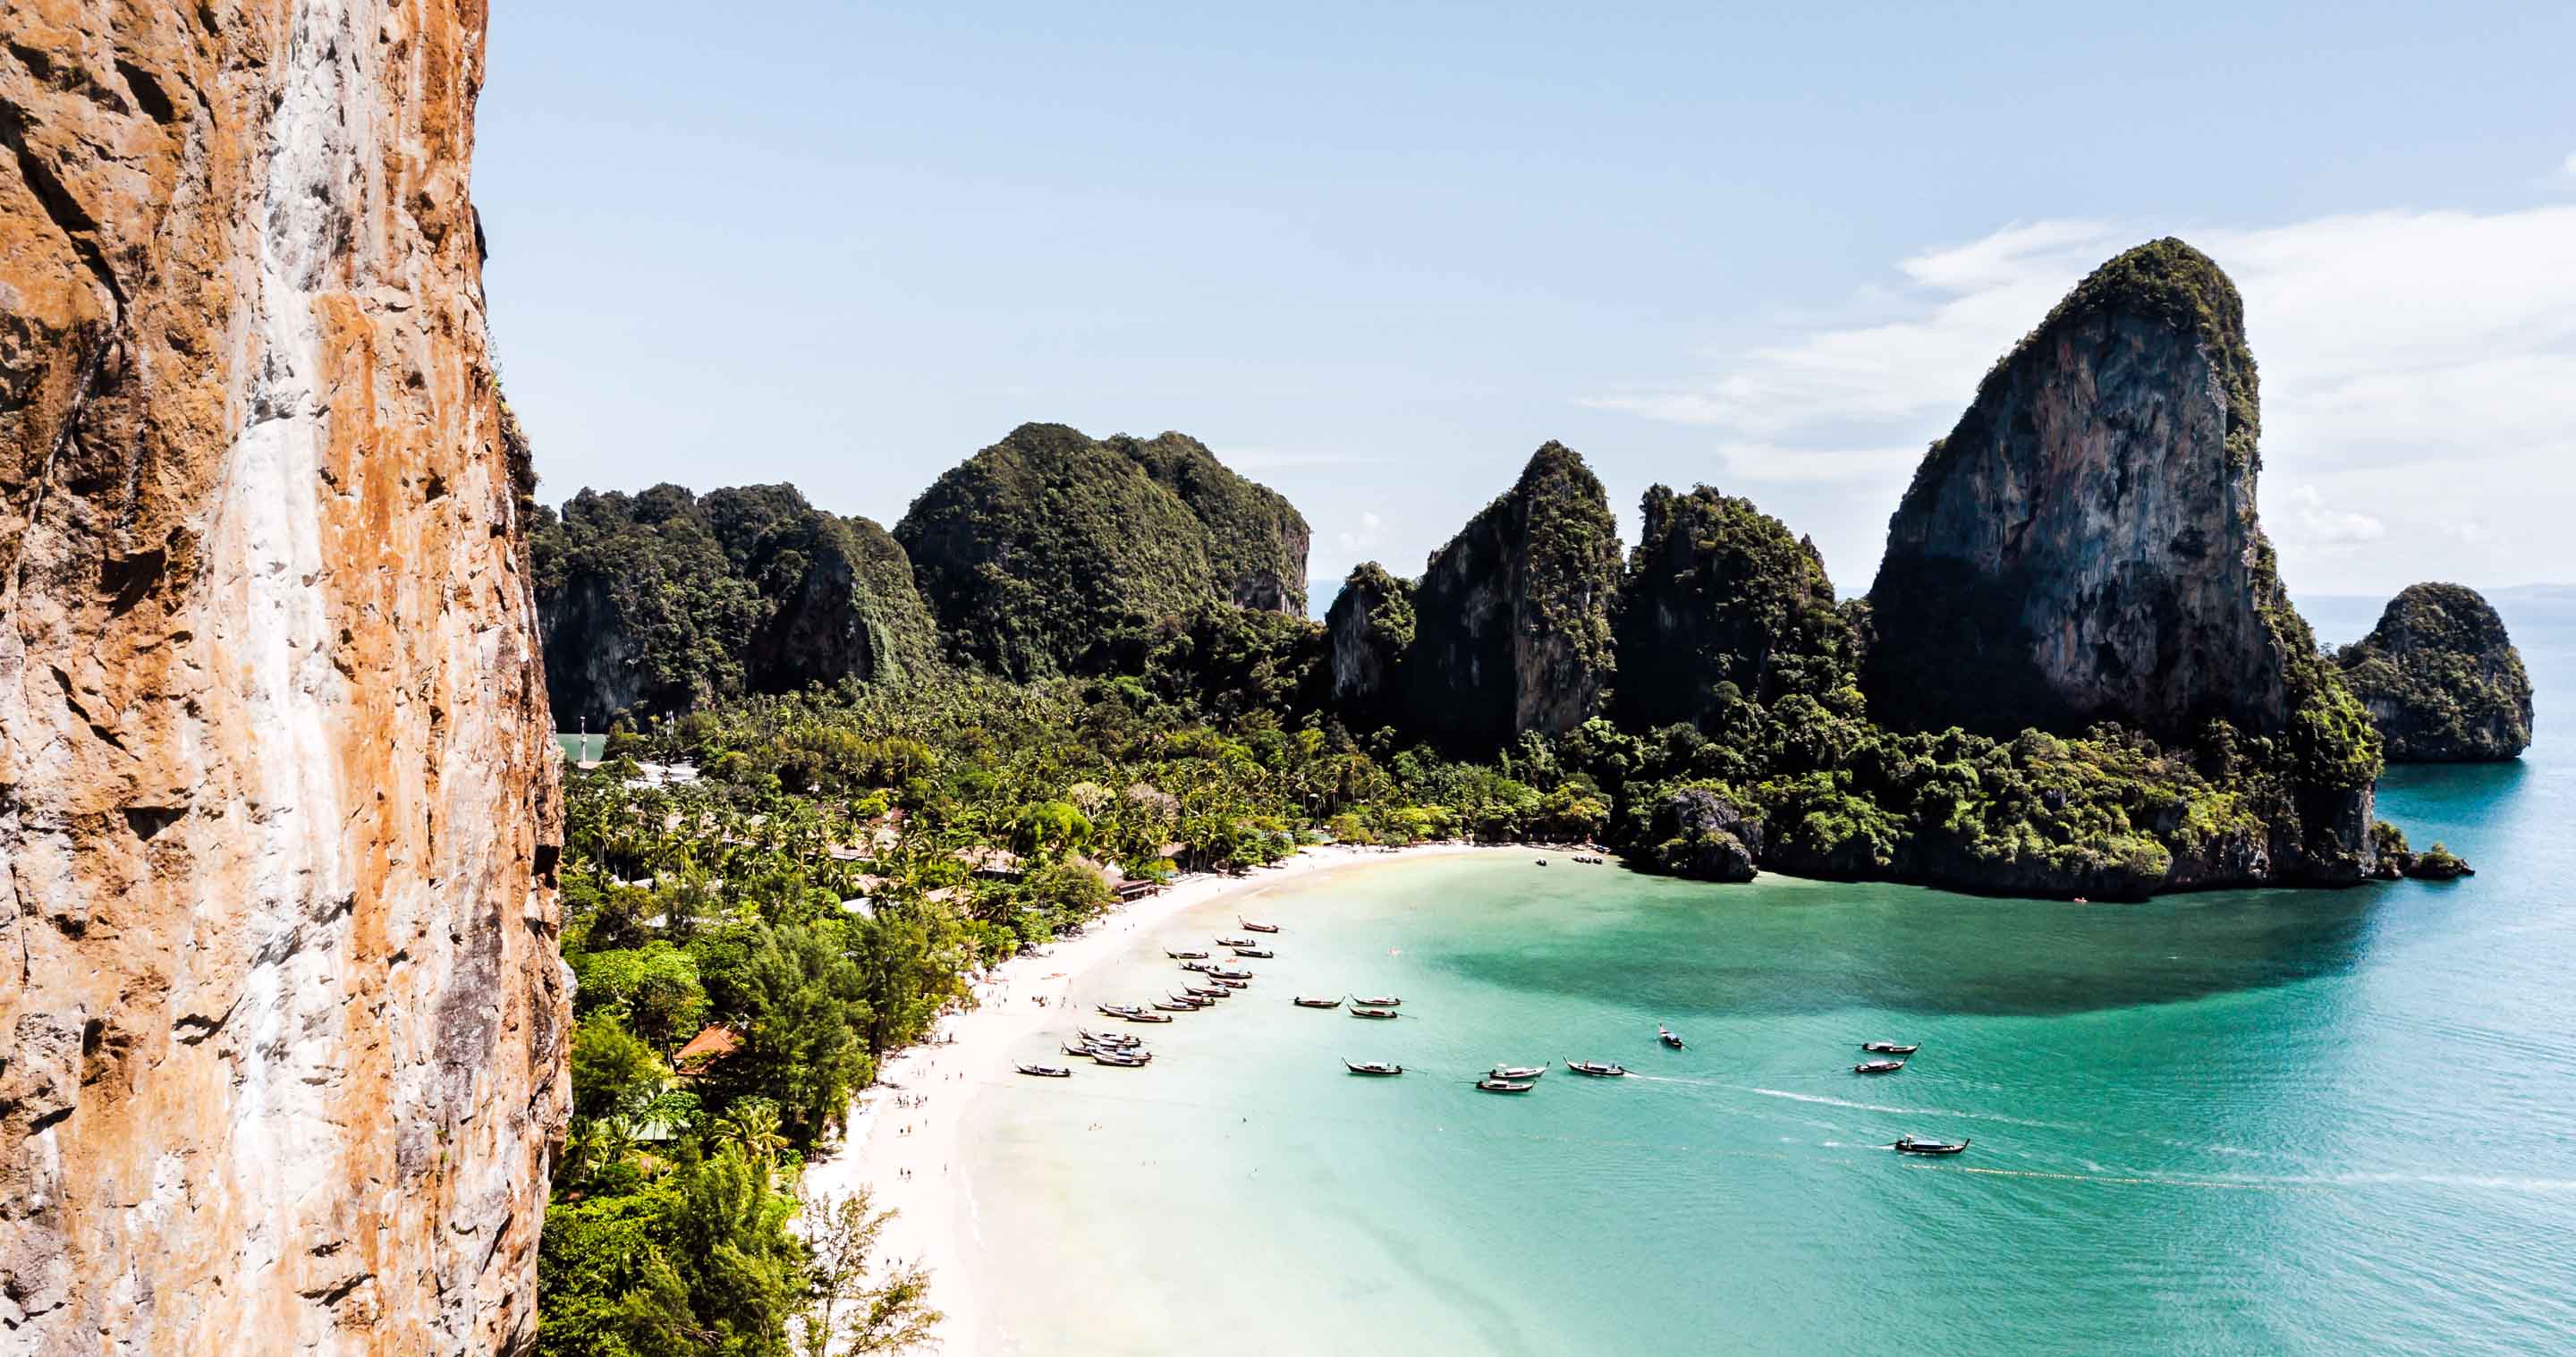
1375, 254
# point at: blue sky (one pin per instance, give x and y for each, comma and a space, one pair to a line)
1375, 254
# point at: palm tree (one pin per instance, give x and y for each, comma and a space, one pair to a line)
752, 1123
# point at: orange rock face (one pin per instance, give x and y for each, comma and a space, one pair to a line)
281, 1022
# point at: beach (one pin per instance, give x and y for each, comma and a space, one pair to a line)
934, 1223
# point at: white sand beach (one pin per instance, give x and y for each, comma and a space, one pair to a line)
934, 1222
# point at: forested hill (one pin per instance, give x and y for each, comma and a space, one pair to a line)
1707, 690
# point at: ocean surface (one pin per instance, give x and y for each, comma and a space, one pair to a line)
2240, 1122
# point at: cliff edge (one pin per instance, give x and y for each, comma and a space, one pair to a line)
281, 1041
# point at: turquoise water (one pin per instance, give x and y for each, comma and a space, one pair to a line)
2266, 1122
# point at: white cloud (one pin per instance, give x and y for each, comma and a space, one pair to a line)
2569, 168
2313, 523
2389, 341
1372, 531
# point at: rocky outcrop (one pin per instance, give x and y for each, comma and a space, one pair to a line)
281, 1054
1366, 633
2084, 547
1699, 834
664, 600
1512, 617
1042, 547
2441, 679
1257, 541
1717, 604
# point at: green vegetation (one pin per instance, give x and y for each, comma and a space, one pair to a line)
1512, 617
2440, 678
663, 601
820, 894
1720, 602
1045, 545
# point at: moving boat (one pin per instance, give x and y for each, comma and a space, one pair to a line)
1372, 1066
1234, 942
1519, 1071
1256, 953
1142, 1016
1382, 1001
1046, 1071
1124, 1062
1375, 1013
1909, 1145
1665, 1035
1890, 1048
1598, 1069
1311, 1001
1184, 956
1505, 1085
1878, 1067
1251, 927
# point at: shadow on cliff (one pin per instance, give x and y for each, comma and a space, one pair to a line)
1793, 947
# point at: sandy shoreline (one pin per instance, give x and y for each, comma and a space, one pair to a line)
935, 1220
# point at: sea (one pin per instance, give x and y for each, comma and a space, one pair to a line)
2234, 1122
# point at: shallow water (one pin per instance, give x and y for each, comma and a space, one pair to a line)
2277, 1121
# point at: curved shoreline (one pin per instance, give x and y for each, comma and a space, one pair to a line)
936, 1220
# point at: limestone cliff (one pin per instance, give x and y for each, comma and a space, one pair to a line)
1366, 633
2441, 679
1040, 548
660, 601
1717, 600
1512, 617
281, 1039
1257, 541
2084, 547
